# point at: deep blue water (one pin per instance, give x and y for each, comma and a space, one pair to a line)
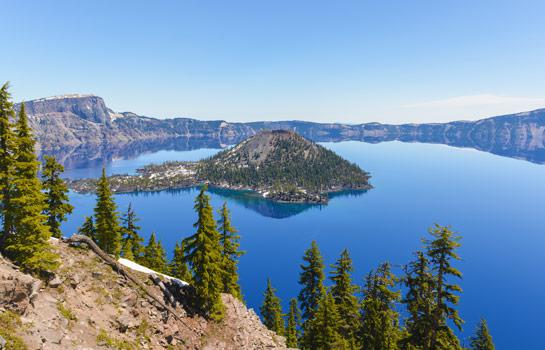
495, 203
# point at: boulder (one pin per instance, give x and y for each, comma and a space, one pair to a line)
16, 289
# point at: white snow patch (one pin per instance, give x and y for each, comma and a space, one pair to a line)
137, 267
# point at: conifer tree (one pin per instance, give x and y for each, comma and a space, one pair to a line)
88, 228
154, 255
292, 324
130, 234
203, 253
126, 251
178, 265
343, 291
312, 279
441, 250
271, 310
322, 330
229, 241
28, 244
7, 139
379, 328
108, 231
482, 340
56, 193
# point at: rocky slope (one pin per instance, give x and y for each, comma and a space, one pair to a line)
90, 306
82, 126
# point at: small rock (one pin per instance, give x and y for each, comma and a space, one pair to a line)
75, 280
126, 322
3, 342
55, 282
97, 274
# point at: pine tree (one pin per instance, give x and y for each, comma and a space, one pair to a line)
108, 231
482, 340
229, 241
56, 192
379, 328
130, 234
419, 301
88, 228
7, 139
441, 250
28, 244
292, 326
203, 253
322, 330
154, 255
271, 310
178, 265
343, 292
312, 279
126, 251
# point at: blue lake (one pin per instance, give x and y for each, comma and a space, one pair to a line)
494, 203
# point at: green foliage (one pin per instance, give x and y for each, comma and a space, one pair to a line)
482, 340
104, 339
271, 310
131, 238
7, 139
28, 243
379, 328
155, 255
312, 280
321, 331
88, 228
10, 324
66, 312
343, 291
108, 231
292, 324
230, 252
56, 192
203, 253
178, 265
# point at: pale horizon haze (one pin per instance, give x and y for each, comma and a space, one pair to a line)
343, 61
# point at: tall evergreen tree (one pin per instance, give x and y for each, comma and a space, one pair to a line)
108, 231
130, 234
322, 330
292, 324
312, 280
203, 253
7, 139
482, 340
56, 193
88, 228
271, 310
154, 255
178, 265
229, 241
343, 291
379, 320
441, 251
28, 244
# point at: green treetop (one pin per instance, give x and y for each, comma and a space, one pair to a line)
178, 265
131, 236
312, 279
482, 340
7, 139
56, 193
154, 255
108, 231
88, 228
343, 291
379, 328
322, 331
271, 310
203, 253
28, 244
229, 241
292, 324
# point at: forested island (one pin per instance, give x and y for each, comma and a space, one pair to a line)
280, 165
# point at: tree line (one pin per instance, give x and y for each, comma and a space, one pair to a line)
347, 316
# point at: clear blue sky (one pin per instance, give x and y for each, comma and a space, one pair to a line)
352, 61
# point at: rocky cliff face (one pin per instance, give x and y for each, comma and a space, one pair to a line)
82, 125
90, 306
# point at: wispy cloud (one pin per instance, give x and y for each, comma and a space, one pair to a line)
481, 100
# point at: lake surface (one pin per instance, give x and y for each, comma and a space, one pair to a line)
494, 203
